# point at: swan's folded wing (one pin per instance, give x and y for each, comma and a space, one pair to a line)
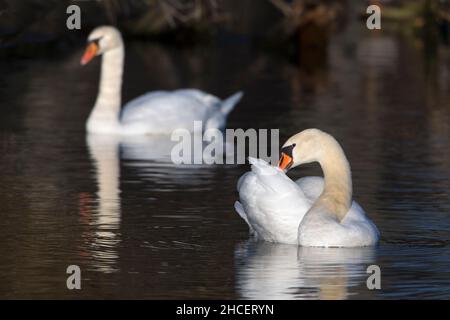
168, 109
206, 98
273, 204
312, 187
322, 230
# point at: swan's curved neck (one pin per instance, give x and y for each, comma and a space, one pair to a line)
337, 194
106, 112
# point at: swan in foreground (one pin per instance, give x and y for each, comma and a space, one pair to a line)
314, 211
158, 112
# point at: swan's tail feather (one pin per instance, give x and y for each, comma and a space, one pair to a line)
240, 210
271, 177
229, 103
261, 167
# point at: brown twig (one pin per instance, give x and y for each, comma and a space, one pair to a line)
284, 7
176, 11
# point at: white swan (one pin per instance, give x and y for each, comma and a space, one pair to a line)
158, 112
314, 211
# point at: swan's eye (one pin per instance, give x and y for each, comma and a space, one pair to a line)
96, 41
288, 150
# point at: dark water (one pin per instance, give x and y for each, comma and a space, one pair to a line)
140, 227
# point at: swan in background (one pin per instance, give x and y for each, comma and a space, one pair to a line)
313, 211
267, 271
158, 112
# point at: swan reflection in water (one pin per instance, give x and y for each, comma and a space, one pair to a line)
274, 271
102, 216
150, 161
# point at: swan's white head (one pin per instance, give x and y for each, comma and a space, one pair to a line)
304, 147
101, 40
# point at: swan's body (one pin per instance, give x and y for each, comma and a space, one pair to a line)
159, 112
313, 211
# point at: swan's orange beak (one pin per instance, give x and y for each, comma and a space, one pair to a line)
285, 162
90, 53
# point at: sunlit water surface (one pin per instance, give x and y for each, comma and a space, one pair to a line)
140, 227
